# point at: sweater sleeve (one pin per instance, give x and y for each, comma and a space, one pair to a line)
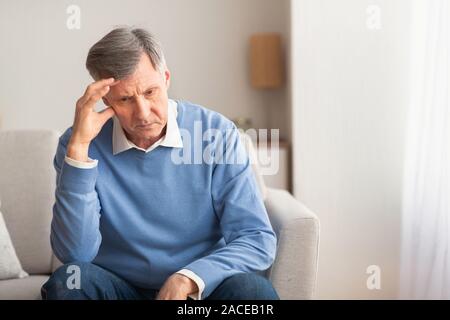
75, 234
250, 240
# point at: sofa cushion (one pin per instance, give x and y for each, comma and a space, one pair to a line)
10, 267
28, 288
27, 186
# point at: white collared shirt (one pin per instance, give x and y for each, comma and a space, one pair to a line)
120, 143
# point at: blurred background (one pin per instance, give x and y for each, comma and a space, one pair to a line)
342, 99
206, 44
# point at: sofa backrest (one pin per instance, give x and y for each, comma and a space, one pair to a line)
27, 186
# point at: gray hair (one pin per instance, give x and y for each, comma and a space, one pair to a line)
118, 53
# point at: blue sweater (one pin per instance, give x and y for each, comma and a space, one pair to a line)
144, 217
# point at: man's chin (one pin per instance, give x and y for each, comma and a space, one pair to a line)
149, 133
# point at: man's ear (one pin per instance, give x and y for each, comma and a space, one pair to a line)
167, 78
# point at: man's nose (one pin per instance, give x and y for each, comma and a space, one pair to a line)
142, 109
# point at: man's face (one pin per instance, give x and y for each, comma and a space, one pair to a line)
140, 102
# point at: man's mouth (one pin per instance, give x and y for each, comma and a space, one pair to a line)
146, 126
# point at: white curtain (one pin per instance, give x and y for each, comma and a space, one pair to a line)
425, 267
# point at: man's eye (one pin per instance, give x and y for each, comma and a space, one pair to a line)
124, 99
149, 92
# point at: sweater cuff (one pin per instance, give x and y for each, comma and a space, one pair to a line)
81, 164
200, 284
209, 273
78, 180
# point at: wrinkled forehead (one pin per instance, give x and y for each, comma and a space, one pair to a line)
144, 77
136, 84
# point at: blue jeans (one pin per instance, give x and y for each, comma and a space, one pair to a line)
96, 283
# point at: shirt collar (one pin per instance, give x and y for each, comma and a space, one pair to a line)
172, 138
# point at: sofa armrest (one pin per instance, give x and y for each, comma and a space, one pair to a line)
294, 271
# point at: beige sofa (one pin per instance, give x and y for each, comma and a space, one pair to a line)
27, 185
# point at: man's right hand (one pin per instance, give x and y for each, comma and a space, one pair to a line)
88, 123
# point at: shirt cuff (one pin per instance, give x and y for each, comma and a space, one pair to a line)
81, 164
200, 284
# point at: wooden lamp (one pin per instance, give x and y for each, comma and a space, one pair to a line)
266, 62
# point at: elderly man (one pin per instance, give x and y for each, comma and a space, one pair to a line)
137, 215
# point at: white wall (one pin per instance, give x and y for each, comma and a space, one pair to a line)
205, 41
349, 97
